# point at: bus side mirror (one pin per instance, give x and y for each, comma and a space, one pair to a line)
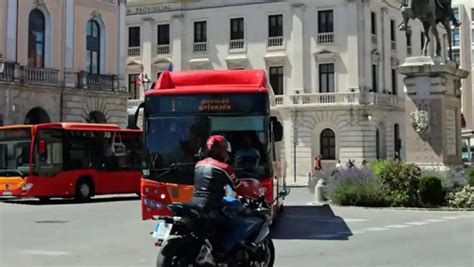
133, 113
277, 130
41, 147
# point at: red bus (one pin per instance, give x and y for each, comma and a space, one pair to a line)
184, 109
69, 160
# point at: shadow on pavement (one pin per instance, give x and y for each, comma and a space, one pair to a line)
62, 201
310, 223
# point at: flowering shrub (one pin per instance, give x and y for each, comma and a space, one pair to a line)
451, 180
463, 198
378, 166
359, 192
401, 181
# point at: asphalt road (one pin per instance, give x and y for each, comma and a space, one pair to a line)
109, 232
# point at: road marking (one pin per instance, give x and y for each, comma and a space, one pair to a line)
450, 218
45, 252
435, 220
397, 226
375, 229
358, 232
418, 223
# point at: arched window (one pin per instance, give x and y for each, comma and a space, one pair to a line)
328, 144
36, 39
37, 115
93, 47
96, 117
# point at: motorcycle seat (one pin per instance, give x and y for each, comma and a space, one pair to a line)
185, 210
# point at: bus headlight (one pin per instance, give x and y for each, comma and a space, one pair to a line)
147, 190
27, 187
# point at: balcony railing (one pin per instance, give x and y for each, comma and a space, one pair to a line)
325, 38
383, 99
320, 99
394, 45
134, 51
101, 82
163, 49
7, 72
200, 47
41, 76
275, 41
237, 45
133, 103
335, 99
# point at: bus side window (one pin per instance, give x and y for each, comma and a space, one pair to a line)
50, 144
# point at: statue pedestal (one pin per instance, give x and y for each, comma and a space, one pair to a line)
432, 112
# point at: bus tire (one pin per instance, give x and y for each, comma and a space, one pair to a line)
84, 189
44, 199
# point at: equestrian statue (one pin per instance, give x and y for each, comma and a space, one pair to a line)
430, 13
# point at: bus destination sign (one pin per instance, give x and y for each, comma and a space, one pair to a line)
19, 133
218, 104
208, 103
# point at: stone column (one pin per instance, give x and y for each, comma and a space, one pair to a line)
122, 45
69, 75
298, 49
177, 41
12, 25
433, 112
147, 48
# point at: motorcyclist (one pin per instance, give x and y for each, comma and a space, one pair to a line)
211, 176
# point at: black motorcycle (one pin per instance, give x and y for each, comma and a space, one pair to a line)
185, 239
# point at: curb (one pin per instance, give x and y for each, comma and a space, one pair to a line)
409, 208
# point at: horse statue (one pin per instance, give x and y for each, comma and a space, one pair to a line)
430, 13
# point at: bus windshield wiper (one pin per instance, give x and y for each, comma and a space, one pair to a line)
172, 167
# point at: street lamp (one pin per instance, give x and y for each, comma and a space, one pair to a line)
146, 81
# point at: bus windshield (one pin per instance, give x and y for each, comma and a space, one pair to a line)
15, 151
175, 144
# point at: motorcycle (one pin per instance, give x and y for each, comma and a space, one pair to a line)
185, 238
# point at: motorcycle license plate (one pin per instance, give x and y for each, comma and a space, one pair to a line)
162, 230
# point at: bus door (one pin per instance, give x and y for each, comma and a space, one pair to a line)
48, 164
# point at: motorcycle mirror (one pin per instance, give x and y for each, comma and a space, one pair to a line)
285, 192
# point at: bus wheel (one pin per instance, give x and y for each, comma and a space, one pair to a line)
83, 190
44, 199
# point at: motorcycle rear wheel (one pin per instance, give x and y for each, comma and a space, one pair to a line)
268, 249
174, 252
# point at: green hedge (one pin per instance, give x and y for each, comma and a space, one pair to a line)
431, 190
354, 192
471, 176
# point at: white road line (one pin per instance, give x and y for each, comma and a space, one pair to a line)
358, 232
435, 220
466, 216
374, 229
398, 226
418, 223
450, 218
45, 252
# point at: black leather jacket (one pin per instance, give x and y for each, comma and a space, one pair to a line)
210, 178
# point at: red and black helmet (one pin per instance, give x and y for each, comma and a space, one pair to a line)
216, 146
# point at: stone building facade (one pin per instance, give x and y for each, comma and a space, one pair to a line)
331, 63
62, 61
